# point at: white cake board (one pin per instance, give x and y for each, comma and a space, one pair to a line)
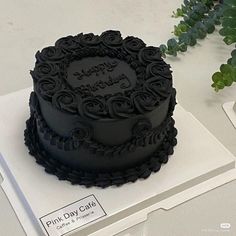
230, 110
198, 157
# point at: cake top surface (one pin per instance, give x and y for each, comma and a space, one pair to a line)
102, 76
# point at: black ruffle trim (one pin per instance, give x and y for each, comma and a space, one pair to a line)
105, 179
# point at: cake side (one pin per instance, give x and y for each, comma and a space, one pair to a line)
82, 151
97, 177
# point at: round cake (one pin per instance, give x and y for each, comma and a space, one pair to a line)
101, 110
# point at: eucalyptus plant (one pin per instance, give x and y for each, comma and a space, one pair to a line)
199, 18
227, 74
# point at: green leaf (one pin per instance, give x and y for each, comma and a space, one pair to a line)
195, 16
201, 8
184, 38
193, 33
217, 76
199, 25
183, 27
218, 10
183, 47
229, 60
213, 85
189, 21
201, 30
178, 13
210, 27
193, 41
172, 44
231, 3
184, 8
233, 53
211, 14
220, 84
229, 22
225, 69
227, 79
163, 49
177, 31
227, 31
230, 12
215, 16
202, 34
229, 39
233, 61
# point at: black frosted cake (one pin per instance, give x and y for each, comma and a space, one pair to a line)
101, 109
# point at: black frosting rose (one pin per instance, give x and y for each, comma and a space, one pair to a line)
89, 39
132, 44
68, 43
92, 107
142, 128
159, 68
50, 54
160, 86
149, 54
111, 38
44, 69
82, 132
144, 101
120, 106
65, 100
47, 87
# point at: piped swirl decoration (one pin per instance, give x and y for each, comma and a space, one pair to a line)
133, 44
153, 85
159, 86
89, 39
45, 69
68, 43
142, 128
120, 106
160, 69
149, 54
82, 132
65, 100
92, 107
111, 38
144, 101
50, 54
47, 87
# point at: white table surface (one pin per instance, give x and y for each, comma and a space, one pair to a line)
29, 25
